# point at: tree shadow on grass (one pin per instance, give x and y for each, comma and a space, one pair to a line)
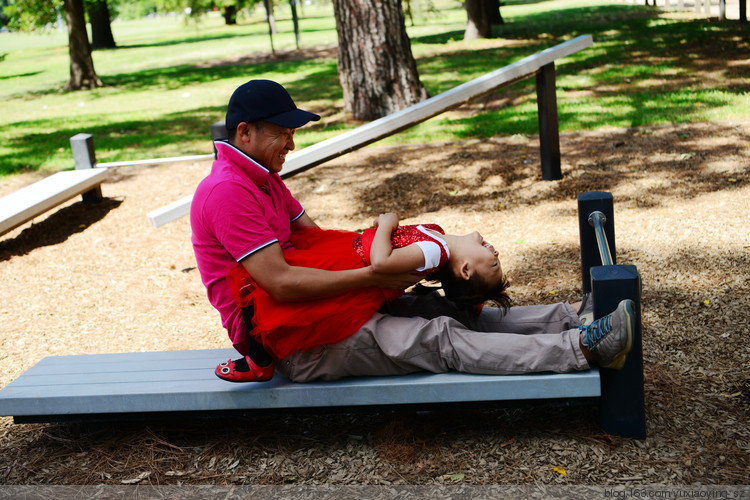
57, 227
493, 174
140, 139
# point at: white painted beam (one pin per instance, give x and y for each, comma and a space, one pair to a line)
406, 118
35, 199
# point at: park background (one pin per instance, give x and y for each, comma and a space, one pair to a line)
655, 112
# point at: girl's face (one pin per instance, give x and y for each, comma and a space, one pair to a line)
479, 257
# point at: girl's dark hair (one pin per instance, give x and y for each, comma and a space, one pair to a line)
476, 290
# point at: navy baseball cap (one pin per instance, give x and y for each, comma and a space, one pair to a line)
265, 100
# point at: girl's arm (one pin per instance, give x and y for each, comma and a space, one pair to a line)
387, 260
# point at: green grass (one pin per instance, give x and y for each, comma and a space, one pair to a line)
169, 80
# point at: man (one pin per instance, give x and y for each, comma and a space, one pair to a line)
243, 213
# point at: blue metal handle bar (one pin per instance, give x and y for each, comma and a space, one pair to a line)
597, 220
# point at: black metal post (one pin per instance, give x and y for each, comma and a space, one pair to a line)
588, 203
218, 133
84, 156
549, 134
743, 11
622, 409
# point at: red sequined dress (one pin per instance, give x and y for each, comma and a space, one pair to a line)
288, 327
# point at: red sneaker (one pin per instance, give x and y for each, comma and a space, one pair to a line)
226, 371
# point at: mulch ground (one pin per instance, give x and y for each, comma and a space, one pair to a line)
98, 278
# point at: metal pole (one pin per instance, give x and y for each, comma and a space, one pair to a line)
549, 134
218, 133
82, 146
622, 409
597, 220
594, 201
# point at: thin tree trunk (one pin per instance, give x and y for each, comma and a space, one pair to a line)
271, 22
82, 74
270, 17
377, 70
295, 20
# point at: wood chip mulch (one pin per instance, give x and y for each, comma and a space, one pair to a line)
97, 278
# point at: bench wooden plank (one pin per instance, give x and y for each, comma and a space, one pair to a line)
183, 381
371, 132
35, 199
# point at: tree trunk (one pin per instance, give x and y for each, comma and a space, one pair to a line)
376, 67
271, 22
101, 27
270, 17
496, 17
82, 74
295, 21
230, 15
479, 19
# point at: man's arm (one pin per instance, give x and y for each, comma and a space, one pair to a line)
287, 283
303, 221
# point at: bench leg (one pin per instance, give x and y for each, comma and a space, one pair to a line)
549, 135
84, 156
594, 201
622, 404
218, 132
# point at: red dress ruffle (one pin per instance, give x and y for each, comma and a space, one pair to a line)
286, 328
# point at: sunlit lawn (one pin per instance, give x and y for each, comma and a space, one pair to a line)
168, 80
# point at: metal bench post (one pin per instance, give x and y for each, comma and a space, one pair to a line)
84, 157
622, 404
588, 203
549, 135
218, 132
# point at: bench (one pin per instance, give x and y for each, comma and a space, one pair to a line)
541, 65
33, 200
155, 384
131, 385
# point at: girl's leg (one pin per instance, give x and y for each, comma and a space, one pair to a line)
524, 320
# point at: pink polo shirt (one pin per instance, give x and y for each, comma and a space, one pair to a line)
240, 208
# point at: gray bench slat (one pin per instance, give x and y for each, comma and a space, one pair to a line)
184, 381
400, 120
35, 199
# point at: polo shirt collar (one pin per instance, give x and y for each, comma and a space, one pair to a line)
257, 172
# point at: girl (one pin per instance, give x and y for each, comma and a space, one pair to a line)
466, 266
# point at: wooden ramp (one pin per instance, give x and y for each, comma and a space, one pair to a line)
134, 385
35, 199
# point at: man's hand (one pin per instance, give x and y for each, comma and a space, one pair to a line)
399, 281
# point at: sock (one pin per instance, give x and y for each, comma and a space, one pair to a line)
256, 352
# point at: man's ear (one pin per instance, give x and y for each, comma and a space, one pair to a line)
242, 130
